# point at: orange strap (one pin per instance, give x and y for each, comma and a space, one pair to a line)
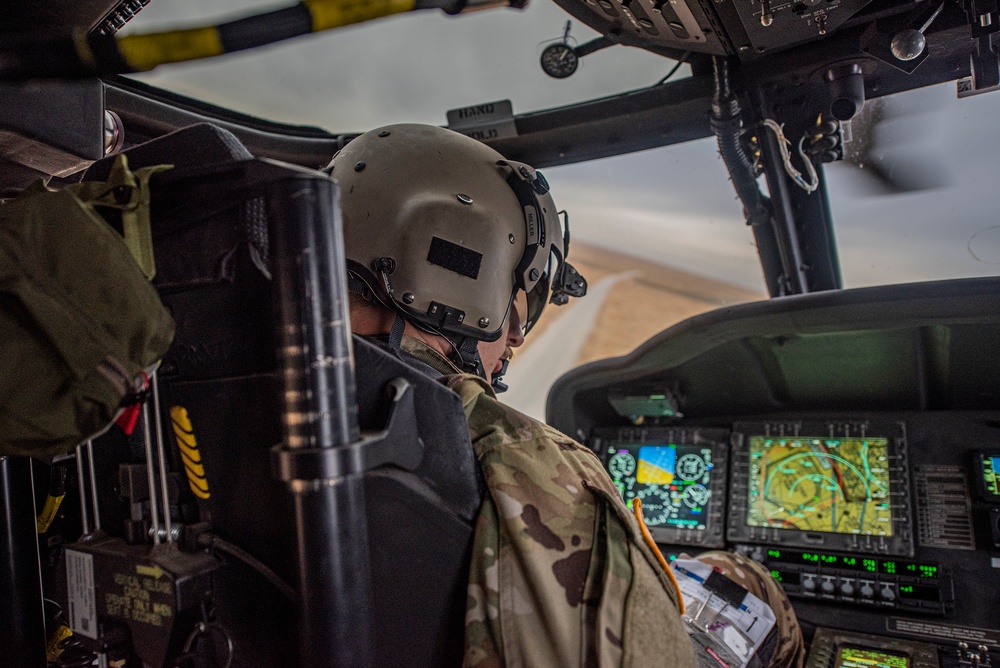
637, 510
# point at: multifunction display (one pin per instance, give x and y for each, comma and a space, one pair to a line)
841, 485
861, 657
814, 483
989, 475
672, 481
678, 475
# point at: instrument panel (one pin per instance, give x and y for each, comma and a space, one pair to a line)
874, 521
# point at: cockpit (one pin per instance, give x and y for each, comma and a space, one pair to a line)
841, 430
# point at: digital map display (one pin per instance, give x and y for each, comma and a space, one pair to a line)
672, 481
836, 485
857, 657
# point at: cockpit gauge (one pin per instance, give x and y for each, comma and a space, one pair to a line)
696, 496
679, 477
621, 465
658, 505
691, 467
559, 60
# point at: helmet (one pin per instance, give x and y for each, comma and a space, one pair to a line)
446, 232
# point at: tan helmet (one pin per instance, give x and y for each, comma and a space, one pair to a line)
445, 231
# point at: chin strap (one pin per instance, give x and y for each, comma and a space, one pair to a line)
498, 384
467, 354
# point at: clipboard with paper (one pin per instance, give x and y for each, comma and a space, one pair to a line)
727, 624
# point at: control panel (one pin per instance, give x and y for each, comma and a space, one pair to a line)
858, 579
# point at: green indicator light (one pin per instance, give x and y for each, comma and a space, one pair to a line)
869, 565
810, 557
906, 589
828, 559
849, 561
776, 575
774, 553
889, 567
673, 557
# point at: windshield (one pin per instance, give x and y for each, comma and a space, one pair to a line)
659, 234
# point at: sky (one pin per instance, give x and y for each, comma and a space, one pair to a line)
673, 205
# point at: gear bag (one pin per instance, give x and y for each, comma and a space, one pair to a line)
79, 320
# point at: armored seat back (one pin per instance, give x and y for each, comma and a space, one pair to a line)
210, 242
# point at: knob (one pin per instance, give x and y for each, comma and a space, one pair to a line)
887, 593
847, 588
827, 586
809, 584
867, 591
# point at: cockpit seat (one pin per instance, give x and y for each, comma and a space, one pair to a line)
213, 275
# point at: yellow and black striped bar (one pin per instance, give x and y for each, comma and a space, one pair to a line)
82, 54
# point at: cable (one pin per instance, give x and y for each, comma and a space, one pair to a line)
786, 157
648, 537
672, 72
224, 546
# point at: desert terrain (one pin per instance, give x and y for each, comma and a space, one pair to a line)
629, 300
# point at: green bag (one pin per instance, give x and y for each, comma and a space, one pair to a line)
79, 321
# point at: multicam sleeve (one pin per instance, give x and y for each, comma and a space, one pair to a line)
557, 578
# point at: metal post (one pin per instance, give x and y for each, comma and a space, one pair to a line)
785, 230
147, 439
93, 486
161, 458
82, 485
321, 412
22, 629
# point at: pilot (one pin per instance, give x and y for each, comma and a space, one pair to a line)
452, 254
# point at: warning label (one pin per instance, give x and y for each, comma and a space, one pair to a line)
943, 631
143, 597
82, 602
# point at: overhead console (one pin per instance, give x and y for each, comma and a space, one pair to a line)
748, 29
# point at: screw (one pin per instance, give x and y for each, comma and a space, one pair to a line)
533, 275
484, 322
384, 133
408, 298
464, 199
358, 166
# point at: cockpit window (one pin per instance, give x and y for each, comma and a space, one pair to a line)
407, 68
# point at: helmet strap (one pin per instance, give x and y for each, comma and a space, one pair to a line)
467, 352
396, 333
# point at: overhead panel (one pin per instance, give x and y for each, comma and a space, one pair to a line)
747, 28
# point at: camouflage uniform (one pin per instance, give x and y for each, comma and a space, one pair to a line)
560, 572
